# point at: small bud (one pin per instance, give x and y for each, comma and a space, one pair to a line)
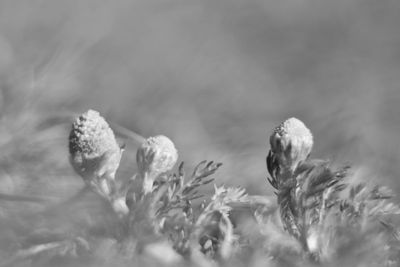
155, 156
291, 143
94, 152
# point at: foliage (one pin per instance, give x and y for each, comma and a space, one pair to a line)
321, 217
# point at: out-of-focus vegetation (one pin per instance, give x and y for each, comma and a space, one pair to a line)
213, 75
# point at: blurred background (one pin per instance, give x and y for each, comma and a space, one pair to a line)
214, 75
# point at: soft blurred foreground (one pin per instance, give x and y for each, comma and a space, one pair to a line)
215, 76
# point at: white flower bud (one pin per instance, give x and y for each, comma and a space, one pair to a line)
291, 143
155, 156
94, 152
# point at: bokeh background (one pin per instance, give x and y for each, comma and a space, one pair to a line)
214, 75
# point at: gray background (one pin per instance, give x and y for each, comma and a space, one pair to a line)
215, 75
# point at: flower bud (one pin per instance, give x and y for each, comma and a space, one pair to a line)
291, 143
155, 156
94, 152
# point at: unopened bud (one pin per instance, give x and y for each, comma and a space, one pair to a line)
155, 156
291, 143
94, 151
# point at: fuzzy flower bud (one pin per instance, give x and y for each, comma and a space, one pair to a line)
155, 156
291, 143
94, 151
